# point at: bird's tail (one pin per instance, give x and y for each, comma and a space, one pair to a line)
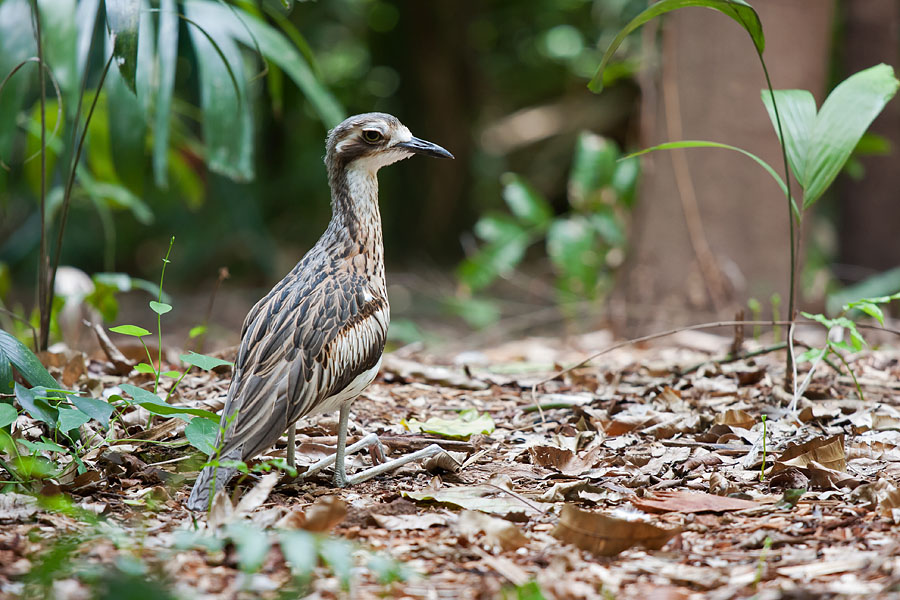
210, 481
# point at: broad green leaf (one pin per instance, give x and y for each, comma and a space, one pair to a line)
843, 119
797, 109
704, 144
167, 52
201, 433
738, 10
44, 445
592, 167
207, 363
880, 285
85, 19
8, 414
493, 260
870, 308
227, 123
275, 46
126, 283
160, 308
99, 410
572, 247
132, 330
25, 362
36, 407
6, 374
59, 33
624, 180
127, 125
16, 45
71, 418
158, 406
466, 424
811, 355
122, 19
252, 544
299, 549
145, 368
171, 374
478, 313
338, 554
525, 202
197, 331
494, 227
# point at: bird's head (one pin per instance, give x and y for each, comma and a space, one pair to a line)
374, 140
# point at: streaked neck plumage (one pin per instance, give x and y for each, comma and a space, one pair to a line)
355, 225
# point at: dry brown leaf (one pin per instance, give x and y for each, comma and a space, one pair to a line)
690, 502
738, 418
256, 496
720, 486
828, 452
222, 510
564, 461
325, 513
407, 522
497, 532
606, 535
16, 507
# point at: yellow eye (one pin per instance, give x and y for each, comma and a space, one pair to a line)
373, 136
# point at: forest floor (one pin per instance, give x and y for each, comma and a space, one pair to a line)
644, 476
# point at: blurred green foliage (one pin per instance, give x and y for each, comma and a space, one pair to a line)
212, 150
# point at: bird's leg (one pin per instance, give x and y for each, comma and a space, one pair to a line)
292, 446
340, 469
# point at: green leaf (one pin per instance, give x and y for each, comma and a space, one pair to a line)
132, 330
36, 407
478, 313
494, 227
126, 283
201, 433
8, 414
276, 47
16, 46
797, 109
625, 178
468, 423
158, 406
44, 445
843, 119
172, 374
145, 368
738, 10
127, 125
122, 19
160, 308
811, 355
115, 196
572, 247
207, 363
705, 144
870, 308
299, 549
197, 331
99, 410
167, 52
25, 362
227, 123
338, 554
71, 418
252, 544
525, 202
592, 167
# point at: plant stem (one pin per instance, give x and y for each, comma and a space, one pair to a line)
162, 276
43, 268
789, 360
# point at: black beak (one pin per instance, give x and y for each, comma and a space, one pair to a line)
425, 148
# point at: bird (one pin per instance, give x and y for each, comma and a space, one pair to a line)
315, 341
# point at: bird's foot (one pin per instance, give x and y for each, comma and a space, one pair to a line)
390, 465
370, 441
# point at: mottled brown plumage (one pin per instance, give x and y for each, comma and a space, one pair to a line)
314, 342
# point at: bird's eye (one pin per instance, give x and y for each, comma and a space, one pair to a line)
373, 136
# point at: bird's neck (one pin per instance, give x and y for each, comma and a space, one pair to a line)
355, 214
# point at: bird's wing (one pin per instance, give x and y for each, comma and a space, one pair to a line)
301, 344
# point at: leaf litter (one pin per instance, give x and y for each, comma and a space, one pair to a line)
624, 479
